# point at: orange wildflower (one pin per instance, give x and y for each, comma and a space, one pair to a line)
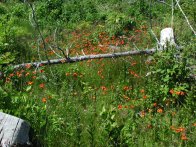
41, 71
134, 63
172, 127
136, 75
125, 97
120, 107
44, 100
50, 53
149, 126
125, 88
75, 74
30, 83
184, 137
154, 104
11, 75
27, 74
122, 42
8, 80
67, 74
42, 85
160, 110
178, 130
126, 106
18, 74
142, 91
194, 124
132, 107
144, 97
49, 97
28, 66
99, 72
177, 92
182, 93
103, 88
172, 91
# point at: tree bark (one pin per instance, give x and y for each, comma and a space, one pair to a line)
13, 131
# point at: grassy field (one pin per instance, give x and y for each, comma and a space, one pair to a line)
101, 102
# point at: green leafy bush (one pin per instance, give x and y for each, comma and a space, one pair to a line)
170, 77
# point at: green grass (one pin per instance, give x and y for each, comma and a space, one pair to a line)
102, 102
82, 108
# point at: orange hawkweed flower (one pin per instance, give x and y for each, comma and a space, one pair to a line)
134, 63
120, 107
132, 107
18, 74
172, 127
160, 110
8, 80
50, 53
11, 75
30, 83
126, 97
142, 91
180, 129
177, 92
126, 107
194, 124
41, 71
144, 97
28, 66
149, 126
42, 85
184, 137
75, 74
103, 88
172, 91
44, 100
125, 88
182, 93
34, 72
67, 74
154, 104
27, 74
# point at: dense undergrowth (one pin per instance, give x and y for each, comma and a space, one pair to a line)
129, 101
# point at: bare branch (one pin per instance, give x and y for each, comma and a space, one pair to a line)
87, 57
39, 31
177, 3
163, 2
55, 52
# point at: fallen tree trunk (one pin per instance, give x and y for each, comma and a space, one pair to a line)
13, 131
85, 57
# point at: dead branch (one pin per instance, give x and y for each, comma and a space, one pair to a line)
86, 57
177, 3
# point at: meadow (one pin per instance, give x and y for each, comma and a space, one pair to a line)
101, 102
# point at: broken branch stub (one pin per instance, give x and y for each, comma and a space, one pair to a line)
167, 38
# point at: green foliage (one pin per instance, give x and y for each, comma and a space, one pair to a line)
100, 102
7, 58
171, 76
